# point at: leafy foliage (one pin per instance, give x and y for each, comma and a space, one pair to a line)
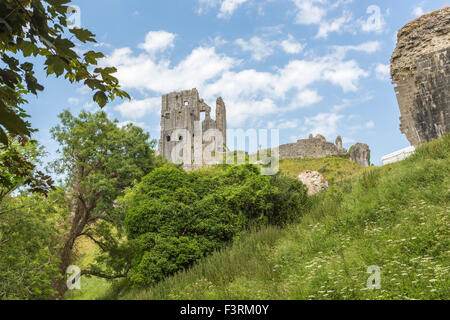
18, 168
29, 244
39, 28
174, 218
100, 160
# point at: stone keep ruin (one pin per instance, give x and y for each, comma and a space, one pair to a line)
185, 116
420, 67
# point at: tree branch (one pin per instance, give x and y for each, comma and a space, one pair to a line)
103, 275
13, 209
101, 245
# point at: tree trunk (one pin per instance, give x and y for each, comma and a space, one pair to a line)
79, 217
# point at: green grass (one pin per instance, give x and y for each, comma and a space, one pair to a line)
334, 169
92, 288
395, 217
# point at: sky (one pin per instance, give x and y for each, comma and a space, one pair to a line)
300, 66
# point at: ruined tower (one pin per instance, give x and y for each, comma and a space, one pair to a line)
186, 117
420, 67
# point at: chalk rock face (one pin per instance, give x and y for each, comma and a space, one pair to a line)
420, 67
360, 153
314, 181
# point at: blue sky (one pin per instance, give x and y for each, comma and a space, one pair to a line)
302, 66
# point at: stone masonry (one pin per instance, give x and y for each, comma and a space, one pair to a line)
360, 154
420, 69
181, 117
313, 147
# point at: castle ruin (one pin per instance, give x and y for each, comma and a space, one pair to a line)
420, 69
313, 147
184, 116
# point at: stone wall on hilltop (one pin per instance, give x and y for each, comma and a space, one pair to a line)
420, 69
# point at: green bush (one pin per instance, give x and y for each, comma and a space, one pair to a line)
30, 239
174, 218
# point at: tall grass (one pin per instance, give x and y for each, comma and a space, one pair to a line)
395, 217
334, 169
245, 259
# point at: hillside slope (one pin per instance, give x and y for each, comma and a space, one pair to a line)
395, 218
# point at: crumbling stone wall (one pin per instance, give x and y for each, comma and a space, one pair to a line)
313, 147
360, 154
182, 110
420, 69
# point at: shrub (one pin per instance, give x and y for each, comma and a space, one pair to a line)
174, 218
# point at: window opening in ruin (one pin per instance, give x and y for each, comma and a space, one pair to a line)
168, 138
180, 138
186, 103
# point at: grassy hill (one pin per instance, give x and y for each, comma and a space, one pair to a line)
334, 169
395, 217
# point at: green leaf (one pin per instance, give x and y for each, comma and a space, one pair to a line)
3, 137
55, 65
28, 48
92, 56
12, 122
100, 98
26, 66
83, 35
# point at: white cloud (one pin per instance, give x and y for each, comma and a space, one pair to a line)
348, 103
93, 107
291, 46
205, 5
228, 7
334, 26
261, 48
156, 41
325, 124
73, 100
305, 98
346, 75
370, 124
143, 72
314, 12
137, 124
258, 47
418, 11
284, 124
308, 12
83, 90
102, 44
218, 41
382, 71
249, 94
136, 109
366, 47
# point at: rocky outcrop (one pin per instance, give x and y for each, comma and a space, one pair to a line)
314, 181
420, 69
360, 153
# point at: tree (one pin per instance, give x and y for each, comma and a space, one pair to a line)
30, 237
39, 28
18, 168
100, 160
